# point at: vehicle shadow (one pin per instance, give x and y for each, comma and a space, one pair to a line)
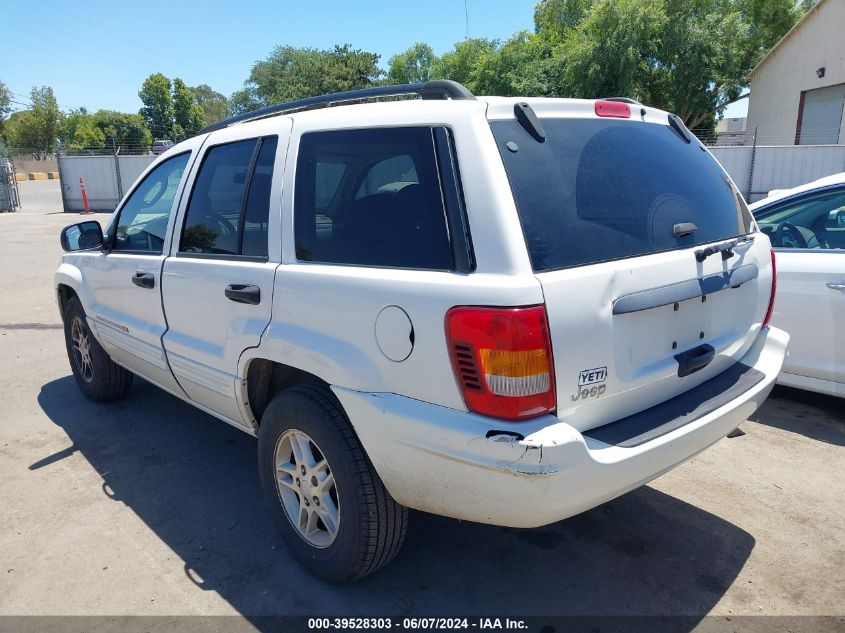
816, 416
193, 481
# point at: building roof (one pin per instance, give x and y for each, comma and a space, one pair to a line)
812, 11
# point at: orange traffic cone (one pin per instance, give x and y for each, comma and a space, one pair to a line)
84, 195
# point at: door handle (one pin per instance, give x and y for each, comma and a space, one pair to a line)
243, 293
836, 285
144, 280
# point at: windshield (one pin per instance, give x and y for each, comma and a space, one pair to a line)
598, 190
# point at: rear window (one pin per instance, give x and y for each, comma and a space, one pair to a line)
371, 197
598, 190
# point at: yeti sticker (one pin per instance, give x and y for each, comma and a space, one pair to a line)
591, 383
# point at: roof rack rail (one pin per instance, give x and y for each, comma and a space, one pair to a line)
435, 89
622, 99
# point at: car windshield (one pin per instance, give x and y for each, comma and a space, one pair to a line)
597, 190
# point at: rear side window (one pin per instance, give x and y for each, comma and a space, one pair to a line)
229, 207
599, 190
371, 198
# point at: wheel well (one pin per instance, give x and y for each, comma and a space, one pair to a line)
65, 295
265, 378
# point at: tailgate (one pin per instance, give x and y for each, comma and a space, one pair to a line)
619, 328
615, 205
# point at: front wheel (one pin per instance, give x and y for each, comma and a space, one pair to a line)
328, 502
97, 376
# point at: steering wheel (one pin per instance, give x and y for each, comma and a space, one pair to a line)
787, 228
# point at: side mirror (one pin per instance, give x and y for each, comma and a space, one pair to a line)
84, 236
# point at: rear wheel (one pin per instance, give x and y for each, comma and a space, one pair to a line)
328, 502
97, 376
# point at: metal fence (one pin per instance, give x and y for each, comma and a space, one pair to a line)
9, 200
757, 170
106, 178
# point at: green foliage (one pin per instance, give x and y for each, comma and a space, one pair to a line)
5, 105
40, 126
462, 63
80, 132
158, 105
293, 73
214, 105
412, 65
691, 57
188, 116
129, 132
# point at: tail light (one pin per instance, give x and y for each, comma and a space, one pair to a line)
502, 359
772, 296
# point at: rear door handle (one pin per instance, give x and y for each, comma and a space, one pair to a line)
836, 285
243, 293
145, 280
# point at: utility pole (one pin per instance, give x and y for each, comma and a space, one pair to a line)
466, 21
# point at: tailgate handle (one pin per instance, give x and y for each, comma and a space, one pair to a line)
692, 360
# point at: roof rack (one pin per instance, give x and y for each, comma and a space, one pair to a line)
435, 89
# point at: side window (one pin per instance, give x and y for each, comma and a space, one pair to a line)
142, 222
814, 221
392, 174
371, 198
229, 206
257, 210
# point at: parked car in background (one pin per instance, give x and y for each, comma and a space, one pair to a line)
807, 228
159, 147
500, 310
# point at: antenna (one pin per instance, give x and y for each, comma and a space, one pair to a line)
466, 20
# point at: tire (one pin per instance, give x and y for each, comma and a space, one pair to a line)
98, 377
370, 526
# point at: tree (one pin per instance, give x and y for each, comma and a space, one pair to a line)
293, 73
188, 117
462, 63
158, 105
39, 127
126, 132
412, 65
691, 57
5, 105
80, 131
214, 105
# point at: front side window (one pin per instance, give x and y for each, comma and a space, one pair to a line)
142, 222
814, 221
229, 206
371, 198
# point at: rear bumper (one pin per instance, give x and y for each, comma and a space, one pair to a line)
528, 474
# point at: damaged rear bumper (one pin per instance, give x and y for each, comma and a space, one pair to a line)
528, 474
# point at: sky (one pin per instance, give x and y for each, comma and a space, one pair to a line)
97, 54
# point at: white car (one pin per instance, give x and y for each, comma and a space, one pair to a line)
500, 310
807, 229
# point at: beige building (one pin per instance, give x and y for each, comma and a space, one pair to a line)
798, 88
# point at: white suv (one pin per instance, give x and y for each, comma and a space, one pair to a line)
500, 310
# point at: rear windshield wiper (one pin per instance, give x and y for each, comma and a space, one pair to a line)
725, 248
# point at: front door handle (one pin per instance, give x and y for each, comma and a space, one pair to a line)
145, 280
243, 293
836, 285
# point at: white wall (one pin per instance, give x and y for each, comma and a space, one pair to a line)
101, 182
781, 167
776, 85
